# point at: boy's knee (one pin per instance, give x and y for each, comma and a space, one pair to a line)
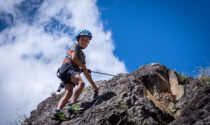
81, 83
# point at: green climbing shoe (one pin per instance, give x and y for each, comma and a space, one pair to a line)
75, 108
59, 115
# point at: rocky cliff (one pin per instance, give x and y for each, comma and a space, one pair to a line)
151, 95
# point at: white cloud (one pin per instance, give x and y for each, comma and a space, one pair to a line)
8, 5
30, 56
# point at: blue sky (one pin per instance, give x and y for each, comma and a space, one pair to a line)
171, 32
35, 35
174, 33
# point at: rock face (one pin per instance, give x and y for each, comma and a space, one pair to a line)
151, 95
195, 104
176, 89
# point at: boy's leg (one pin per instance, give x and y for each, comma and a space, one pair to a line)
67, 95
80, 85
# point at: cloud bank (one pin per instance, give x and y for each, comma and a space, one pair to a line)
34, 43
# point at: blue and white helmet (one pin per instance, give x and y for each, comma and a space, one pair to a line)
84, 32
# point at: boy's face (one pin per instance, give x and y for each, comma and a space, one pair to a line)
83, 41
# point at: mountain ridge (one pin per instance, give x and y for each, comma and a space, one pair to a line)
153, 94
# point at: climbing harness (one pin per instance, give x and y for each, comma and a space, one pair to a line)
61, 86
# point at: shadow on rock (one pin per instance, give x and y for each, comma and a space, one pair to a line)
104, 97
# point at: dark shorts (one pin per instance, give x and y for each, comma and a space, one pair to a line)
67, 71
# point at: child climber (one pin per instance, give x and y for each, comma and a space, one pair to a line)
70, 71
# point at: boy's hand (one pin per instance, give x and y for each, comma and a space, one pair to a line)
95, 94
96, 88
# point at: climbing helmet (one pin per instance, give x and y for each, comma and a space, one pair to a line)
84, 32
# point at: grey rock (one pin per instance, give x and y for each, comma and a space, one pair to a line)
139, 98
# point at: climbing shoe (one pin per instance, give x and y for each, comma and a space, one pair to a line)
59, 115
75, 108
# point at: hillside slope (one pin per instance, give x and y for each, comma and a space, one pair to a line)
152, 95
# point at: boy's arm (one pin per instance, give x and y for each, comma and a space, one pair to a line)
88, 76
83, 66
